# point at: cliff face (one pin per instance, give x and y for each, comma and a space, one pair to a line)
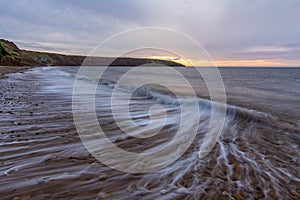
11, 55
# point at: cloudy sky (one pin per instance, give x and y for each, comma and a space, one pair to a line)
234, 32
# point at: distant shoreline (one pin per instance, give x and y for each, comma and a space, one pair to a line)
11, 55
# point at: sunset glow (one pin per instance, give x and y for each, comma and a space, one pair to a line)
229, 63
250, 63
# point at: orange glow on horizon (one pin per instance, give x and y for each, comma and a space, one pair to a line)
253, 63
231, 63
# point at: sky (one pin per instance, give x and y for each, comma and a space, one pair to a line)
233, 32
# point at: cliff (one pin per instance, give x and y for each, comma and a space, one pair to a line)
11, 55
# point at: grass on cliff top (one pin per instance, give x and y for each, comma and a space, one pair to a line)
3, 52
9, 49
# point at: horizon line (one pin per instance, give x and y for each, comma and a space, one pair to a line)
238, 63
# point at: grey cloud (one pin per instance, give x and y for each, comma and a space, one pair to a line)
225, 27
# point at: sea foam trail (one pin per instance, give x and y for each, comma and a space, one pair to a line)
256, 156
243, 161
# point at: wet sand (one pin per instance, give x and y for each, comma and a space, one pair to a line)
42, 157
4, 70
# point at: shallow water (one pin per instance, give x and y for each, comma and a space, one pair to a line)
256, 156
